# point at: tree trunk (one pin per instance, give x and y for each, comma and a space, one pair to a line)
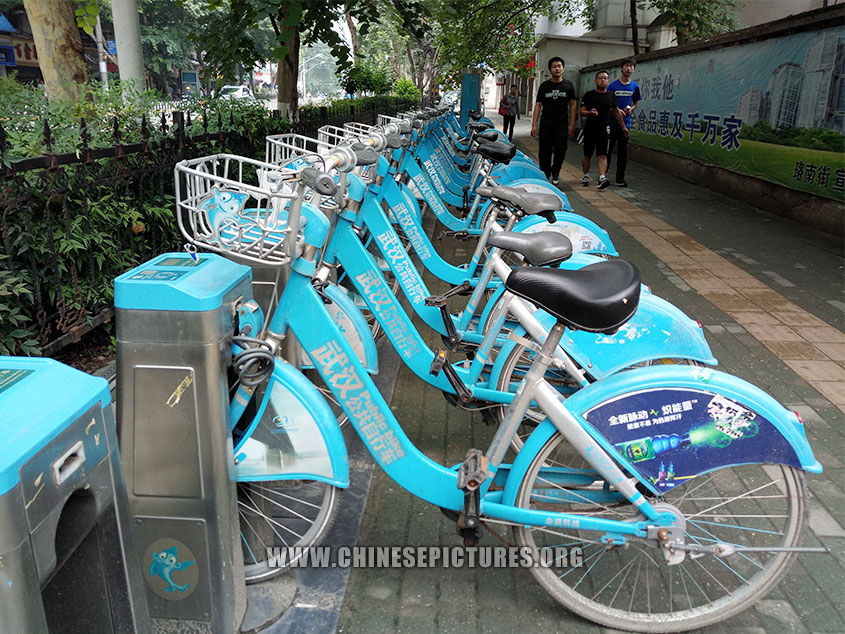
414, 75
353, 32
57, 39
287, 99
635, 36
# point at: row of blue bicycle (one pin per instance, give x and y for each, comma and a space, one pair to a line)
683, 485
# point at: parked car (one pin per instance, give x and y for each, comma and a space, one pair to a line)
236, 92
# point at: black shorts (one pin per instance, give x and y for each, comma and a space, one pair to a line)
596, 141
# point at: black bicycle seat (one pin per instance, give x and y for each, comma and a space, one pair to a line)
598, 298
478, 126
488, 136
497, 151
544, 248
475, 115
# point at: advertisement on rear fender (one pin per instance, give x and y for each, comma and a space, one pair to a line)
672, 435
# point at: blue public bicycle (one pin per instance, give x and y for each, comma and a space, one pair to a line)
683, 486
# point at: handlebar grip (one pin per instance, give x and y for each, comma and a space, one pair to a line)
364, 155
549, 216
319, 181
394, 141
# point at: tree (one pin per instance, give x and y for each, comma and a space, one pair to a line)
59, 44
499, 33
695, 20
293, 22
165, 36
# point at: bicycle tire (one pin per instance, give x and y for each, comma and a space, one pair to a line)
282, 513
751, 511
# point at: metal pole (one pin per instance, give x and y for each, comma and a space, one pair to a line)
101, 53
127, 33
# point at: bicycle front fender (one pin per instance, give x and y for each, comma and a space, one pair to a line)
349, 320
693, 420
294, 435
585, 235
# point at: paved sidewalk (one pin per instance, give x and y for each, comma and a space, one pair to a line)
771, 298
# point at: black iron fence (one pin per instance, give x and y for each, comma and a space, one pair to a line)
71, 222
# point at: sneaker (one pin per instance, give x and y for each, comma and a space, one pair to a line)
585, 182
603, 183
555, 179
621, 184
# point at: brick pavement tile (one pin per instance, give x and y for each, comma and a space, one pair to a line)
824, 334
834, 391
810, 603
743, 284
706, 284
725, 300
754, 318
762, 294
801, 317
812, 370
652, 222
773, 333
795, 350
779, 616
772, 306
822, 523
835, 351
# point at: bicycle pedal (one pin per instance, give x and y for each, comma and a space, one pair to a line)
437, 362
473, 471
435, 300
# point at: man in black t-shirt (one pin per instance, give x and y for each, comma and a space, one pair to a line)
597, 107
554, 119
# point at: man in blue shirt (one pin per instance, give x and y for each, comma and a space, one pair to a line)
627, 94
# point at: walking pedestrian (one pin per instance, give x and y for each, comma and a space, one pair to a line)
510, 103
598, 109
554, 119
627, 93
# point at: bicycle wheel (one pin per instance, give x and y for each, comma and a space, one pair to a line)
282, 513
630, 587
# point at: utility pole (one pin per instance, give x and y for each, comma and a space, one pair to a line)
127, 33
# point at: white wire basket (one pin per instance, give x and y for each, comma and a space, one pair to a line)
239, 207
281, 148
359, 129
335, 135
384, 119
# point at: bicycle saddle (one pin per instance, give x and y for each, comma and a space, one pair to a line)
598, 298
478, 126
497, 151
475, 115
544, 248
487, 136
529, 203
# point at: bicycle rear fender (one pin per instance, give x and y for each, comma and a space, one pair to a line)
658, 330
294, 436
668, 424
585, 235
515, 170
